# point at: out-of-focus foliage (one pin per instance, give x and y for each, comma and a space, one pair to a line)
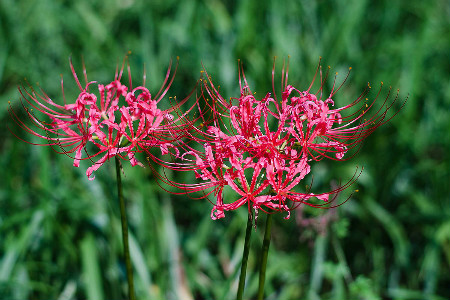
60, 234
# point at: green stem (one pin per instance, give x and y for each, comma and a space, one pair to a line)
123, 219
248, 234
265, 253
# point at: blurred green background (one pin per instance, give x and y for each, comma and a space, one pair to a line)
60, 234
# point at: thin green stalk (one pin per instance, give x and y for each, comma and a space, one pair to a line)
265, 253
248, 234
123, 219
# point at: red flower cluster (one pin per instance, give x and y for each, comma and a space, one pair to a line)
262, 148
117, 120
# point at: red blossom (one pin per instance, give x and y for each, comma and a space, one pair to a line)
262, 148
117, 120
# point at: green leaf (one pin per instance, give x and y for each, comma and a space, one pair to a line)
92, 276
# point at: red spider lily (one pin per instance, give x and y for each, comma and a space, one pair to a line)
118, 120
262, 148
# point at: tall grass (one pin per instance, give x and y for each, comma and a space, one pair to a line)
60, 234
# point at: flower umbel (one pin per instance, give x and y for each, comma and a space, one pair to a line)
104, 121
263, 148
